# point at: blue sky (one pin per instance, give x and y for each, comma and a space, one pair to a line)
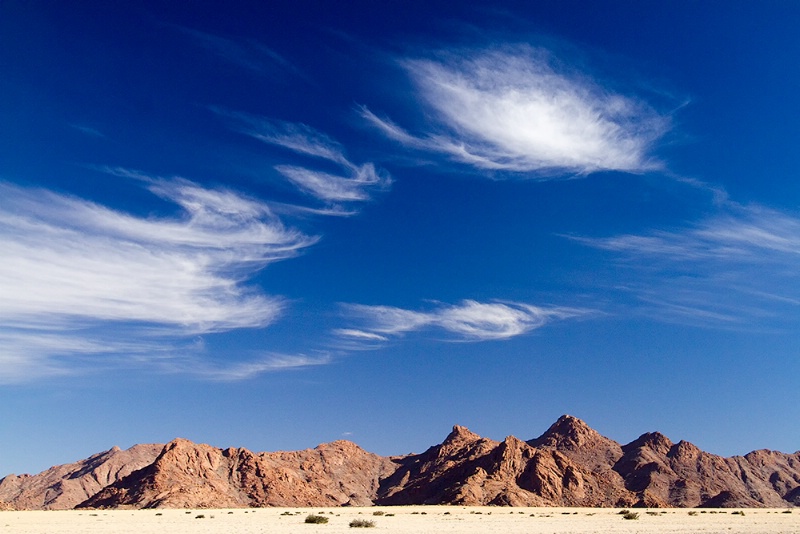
278, 224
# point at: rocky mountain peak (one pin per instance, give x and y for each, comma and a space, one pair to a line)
684, 451
461, 433
567, 433
459, 438
655, 441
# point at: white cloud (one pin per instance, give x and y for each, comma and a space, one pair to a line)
297, 137
737, 268
353, 184
359, 334
251, 369
470, 320
332, 188
514, 109
70, 265
752, 233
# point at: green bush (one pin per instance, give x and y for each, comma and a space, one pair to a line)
316, 519
361, 523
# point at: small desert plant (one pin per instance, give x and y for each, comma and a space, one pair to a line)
200, 516
787, 511
692, 513
651, 513
316, 519
623, 512
389, 515
361, 523
630, 515
378, 512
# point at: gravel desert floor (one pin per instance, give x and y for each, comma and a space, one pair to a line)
410, 519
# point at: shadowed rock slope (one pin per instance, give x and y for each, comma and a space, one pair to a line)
569, 465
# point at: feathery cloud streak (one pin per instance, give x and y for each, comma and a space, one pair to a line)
250, 369
250, 55
469, 320
515, 109
355, 182
735, 267
70, 265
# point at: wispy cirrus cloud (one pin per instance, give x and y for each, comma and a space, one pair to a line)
468, 321
232, 372
332, 188
753, 233
515, 108
88, 130
732, 269
71, 266
249, 54
354, 183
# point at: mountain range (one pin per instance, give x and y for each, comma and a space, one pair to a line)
569, 465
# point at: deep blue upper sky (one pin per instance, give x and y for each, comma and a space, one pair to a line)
275, 224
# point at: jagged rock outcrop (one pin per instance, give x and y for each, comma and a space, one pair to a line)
437, 475
569, 465
200, 476
469, 470
64, 486
661, 473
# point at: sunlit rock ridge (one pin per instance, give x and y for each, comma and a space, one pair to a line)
569, 465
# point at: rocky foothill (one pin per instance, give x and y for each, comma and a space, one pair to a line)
569, 465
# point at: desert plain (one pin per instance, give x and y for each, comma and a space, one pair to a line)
404, 520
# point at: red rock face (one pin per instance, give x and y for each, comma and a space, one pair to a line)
569, 465
64, 486
187, 475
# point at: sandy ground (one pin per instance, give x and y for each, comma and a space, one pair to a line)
406, 520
